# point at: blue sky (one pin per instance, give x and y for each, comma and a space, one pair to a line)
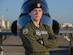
60, 10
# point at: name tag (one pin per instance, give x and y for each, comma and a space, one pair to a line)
44, 32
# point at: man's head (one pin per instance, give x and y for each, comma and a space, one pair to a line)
35, 11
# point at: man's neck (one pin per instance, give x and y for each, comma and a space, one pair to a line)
36, 23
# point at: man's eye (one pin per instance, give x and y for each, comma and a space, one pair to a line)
39, 10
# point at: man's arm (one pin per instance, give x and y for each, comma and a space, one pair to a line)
51, 41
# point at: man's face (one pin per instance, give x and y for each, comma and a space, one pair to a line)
36, 14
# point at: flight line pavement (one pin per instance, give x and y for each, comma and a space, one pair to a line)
12, 46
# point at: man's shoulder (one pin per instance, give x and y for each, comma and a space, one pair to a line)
27, 25
47, 26
27, 28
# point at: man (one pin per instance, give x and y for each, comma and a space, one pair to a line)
36, 37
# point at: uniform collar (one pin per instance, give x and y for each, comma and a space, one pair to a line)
35, 26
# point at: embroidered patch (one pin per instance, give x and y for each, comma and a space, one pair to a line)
25, 31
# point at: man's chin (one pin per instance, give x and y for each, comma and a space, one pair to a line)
35, 20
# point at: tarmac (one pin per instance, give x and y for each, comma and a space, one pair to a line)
13, 46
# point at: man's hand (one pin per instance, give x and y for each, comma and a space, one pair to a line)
41, 41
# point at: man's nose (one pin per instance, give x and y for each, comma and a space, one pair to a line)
36, 13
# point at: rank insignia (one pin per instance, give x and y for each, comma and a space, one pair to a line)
38, 5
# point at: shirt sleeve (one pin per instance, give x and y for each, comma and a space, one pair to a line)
30, 43
51, 41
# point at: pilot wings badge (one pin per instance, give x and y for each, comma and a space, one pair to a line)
38, 32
